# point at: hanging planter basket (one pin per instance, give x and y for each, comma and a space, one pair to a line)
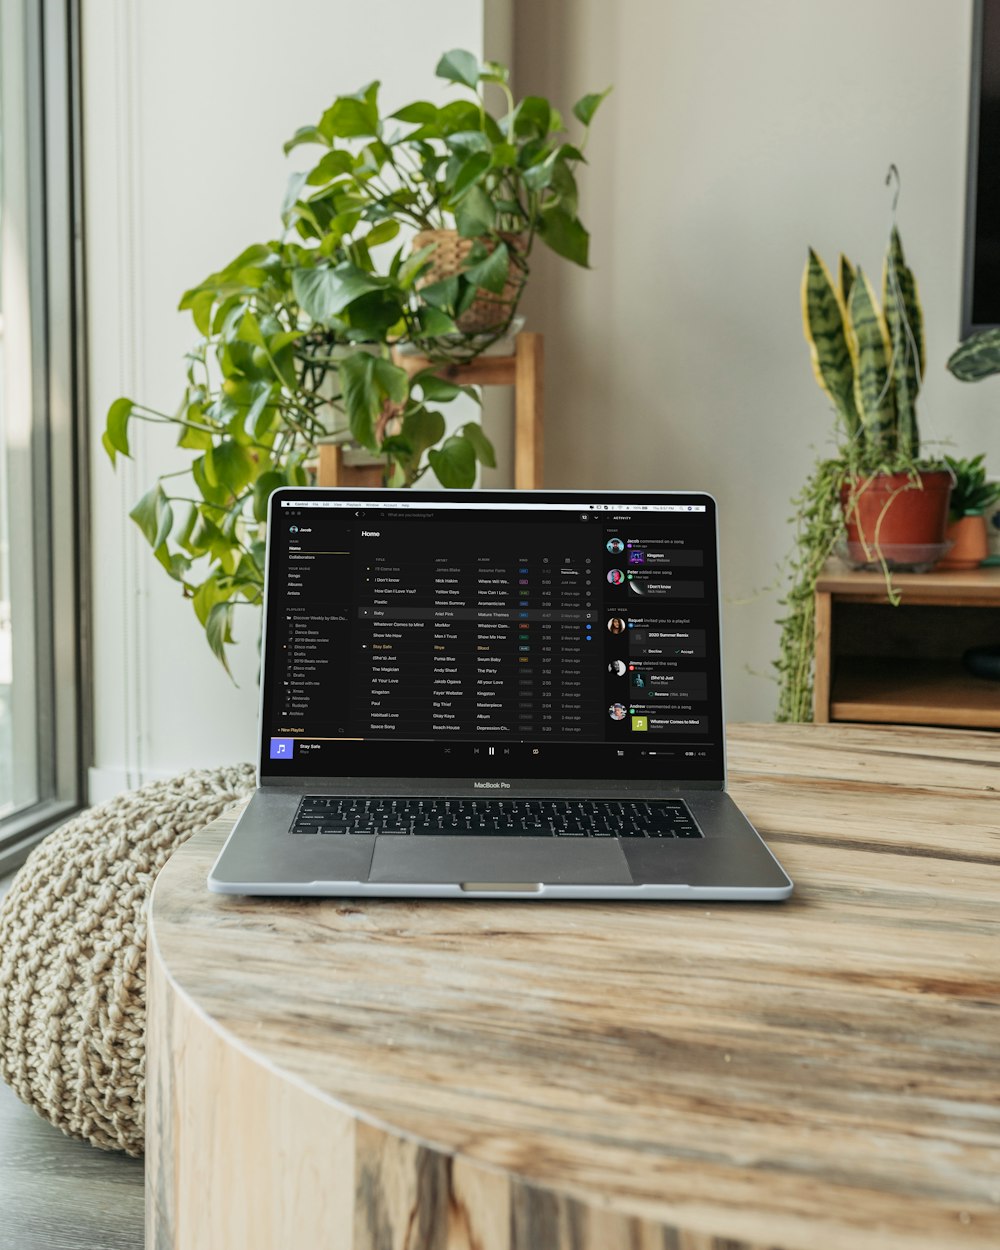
489, 313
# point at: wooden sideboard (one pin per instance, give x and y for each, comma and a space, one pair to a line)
820, 1074
901, 664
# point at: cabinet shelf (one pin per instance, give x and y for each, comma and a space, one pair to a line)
912, 692
901, 665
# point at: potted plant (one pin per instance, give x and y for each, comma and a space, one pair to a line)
478, 189
298, 336
876, 492
971, 495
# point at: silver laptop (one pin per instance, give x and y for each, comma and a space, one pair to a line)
493, 694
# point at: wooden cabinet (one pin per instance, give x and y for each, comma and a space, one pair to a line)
902, 664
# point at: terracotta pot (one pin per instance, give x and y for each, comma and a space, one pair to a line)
971, 547
488, 311
897, 509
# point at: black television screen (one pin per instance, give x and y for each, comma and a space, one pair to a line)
981, 286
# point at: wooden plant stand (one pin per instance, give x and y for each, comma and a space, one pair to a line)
902, 665
523, 370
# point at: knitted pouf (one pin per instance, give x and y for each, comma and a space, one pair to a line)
73, 955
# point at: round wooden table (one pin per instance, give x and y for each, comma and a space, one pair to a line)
821, 1074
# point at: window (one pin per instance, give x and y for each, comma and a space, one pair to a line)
42, 479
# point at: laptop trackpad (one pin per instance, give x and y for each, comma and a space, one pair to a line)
453, 860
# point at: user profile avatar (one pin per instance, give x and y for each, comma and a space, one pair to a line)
616, 577
616, 625
615, 546
617, 711
617, 668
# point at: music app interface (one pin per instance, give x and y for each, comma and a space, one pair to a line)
457, 639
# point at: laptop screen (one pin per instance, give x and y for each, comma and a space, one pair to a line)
488, 633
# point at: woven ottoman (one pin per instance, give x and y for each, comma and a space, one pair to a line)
73, 955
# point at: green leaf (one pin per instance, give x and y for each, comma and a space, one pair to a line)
475, 215
465, 142
436, 389
201, 311
306, 134
324, 293
566, 236
194, 440
504, 156
978, 357
373, 316
454, 463
539, 175
493, 71
382, 233
395, 382
186, 528
362, 398
422, 429
249, 330
410, 269
846, 272
587, 105
534, 117
491, 274
471, 170
352, 116
232, 465
458, 115
165, 522
329, 166
250, 422
871, 350
219, 631
117, 426
262, 490
824, 323
207, 595
441, 294
277, 341
420, 112
905, 319
481, 445
147, 513
106, 444
459, 66
434, 323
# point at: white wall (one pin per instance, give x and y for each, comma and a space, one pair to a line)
186, 106
738, 134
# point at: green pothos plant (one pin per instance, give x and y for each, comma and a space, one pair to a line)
300, 336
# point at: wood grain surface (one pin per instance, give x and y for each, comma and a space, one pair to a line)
821, 1074
972, 586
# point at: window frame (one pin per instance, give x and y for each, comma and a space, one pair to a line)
60, 502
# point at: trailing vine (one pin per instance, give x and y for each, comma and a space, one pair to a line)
819, 524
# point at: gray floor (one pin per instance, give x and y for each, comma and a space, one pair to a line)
58, 1194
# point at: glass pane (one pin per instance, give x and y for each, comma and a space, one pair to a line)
19, 578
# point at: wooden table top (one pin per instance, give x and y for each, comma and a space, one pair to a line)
821, 1073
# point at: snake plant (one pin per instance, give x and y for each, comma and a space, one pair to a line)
868, 357
978, 357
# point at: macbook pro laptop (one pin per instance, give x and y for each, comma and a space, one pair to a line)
493, 694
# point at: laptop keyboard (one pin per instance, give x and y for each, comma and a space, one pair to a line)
536, 818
